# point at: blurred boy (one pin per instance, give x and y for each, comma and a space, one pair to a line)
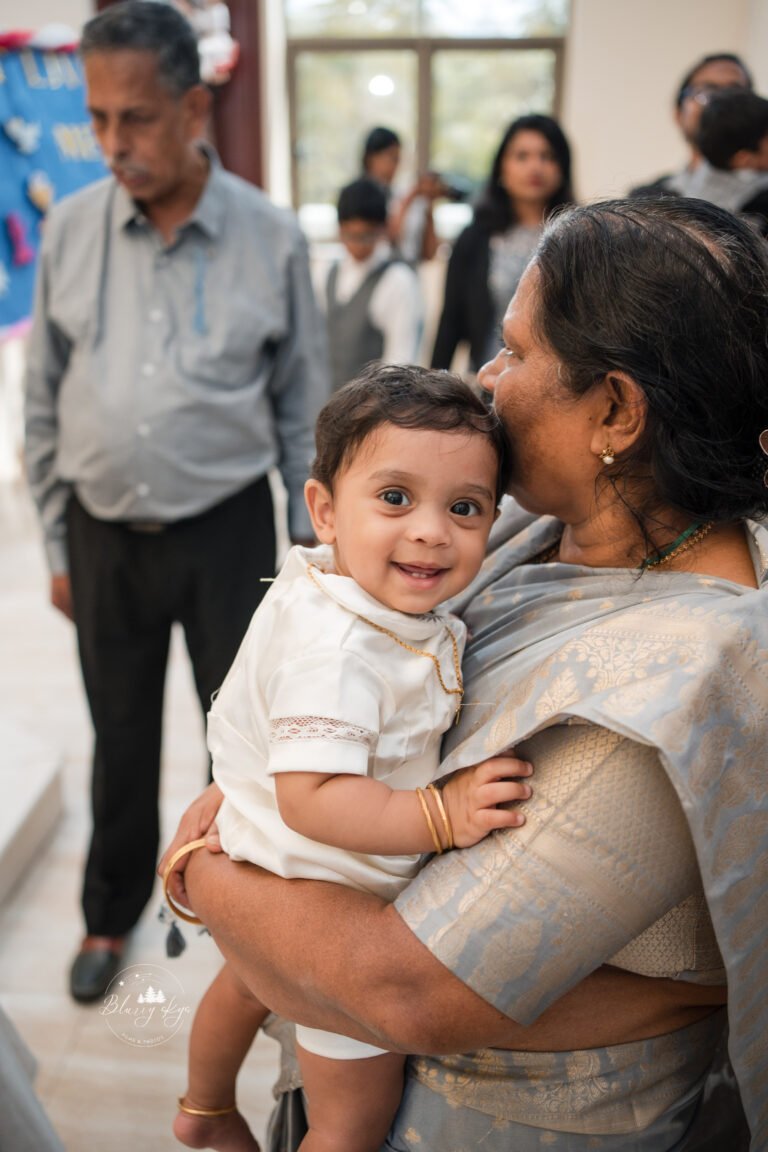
733, 139
372, 298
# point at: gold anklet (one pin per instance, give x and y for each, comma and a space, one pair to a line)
204, 1111
182, 913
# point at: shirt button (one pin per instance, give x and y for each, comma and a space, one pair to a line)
143, 429
156, 315
148, 369
142, 490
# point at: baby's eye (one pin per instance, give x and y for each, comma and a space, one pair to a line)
466, 508
395, 497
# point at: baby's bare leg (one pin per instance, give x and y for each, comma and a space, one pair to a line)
350, 1103
223, 1030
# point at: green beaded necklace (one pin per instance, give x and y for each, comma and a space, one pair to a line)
692, 535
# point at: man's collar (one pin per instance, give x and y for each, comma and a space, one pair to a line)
208, 214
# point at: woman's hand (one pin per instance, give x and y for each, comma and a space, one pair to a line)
471, 797
198, 821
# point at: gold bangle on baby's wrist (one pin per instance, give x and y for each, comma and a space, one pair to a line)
443, 816
430, 821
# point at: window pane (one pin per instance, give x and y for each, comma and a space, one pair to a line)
363, 19
461, 18
512, 19
475, 95
335, 110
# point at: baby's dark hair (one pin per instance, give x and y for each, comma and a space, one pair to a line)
732, 121
409, 397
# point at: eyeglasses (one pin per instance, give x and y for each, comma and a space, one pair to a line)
703, 93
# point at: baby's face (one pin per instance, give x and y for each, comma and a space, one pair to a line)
412, 512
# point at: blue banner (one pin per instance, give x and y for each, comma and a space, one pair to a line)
47, 150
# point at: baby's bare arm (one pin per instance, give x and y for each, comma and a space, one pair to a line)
359, 814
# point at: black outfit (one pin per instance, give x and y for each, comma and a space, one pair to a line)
130, 583
467, 308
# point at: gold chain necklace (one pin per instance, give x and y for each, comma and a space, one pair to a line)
687, 539
458, 691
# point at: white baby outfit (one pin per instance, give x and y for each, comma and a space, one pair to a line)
315, 688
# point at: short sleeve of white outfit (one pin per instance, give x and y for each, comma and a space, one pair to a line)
316, 688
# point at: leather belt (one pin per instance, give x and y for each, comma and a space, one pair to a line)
147, 527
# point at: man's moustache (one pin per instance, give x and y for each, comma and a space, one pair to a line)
119, 170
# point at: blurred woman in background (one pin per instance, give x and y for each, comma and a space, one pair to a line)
411, 226
530, 176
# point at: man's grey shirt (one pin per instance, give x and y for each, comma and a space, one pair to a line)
162, 379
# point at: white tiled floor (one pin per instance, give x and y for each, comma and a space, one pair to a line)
101, 1093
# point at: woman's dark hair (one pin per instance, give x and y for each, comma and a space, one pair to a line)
378, 140
674, 293
409, 397
494, 211
146, 26
363, 199
715, 58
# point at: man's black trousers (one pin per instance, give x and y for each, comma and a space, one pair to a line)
130, 583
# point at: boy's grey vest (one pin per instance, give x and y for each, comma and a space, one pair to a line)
353, 340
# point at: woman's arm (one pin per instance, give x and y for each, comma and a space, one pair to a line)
528, 917
343, 960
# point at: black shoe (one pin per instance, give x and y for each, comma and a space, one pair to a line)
95, 967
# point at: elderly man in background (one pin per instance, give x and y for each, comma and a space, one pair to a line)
176, 356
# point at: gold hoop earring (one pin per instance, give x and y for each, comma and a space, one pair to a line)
607, 455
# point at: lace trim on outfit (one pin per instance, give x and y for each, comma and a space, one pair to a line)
288, 728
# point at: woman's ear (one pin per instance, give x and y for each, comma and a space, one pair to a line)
319, 501
621, 414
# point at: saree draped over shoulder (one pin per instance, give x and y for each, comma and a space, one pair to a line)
674, 665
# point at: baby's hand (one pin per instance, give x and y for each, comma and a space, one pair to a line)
471, 796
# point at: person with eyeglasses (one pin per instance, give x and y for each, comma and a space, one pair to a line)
733, 138
715, 73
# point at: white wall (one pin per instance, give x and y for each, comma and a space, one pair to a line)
756, 48
34, 14
625, 61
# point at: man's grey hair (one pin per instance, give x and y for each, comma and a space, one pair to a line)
148, 26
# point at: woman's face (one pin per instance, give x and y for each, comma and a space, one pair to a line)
550, 429
383, 165
529, 171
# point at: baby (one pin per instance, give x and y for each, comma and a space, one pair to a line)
325, 736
